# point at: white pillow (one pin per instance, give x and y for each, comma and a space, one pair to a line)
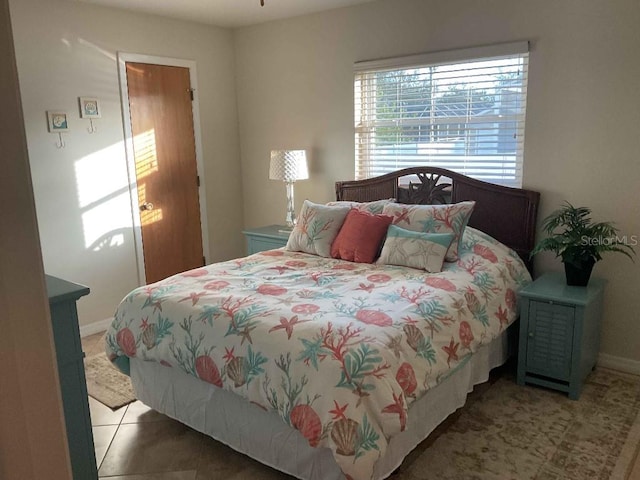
374, 207
450, 218
316, 229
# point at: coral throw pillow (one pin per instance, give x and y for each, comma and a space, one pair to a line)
360, 237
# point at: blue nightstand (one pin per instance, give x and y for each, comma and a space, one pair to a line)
266, 238
559, 333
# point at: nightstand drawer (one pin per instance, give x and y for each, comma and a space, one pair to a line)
550, 339
260, 244
266, 238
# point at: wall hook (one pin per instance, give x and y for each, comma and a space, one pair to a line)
60, 143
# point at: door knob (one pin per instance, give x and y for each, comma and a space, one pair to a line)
146, 206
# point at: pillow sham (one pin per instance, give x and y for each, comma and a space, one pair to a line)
450, 218
407, 248
371, 207
360, 237
316, 229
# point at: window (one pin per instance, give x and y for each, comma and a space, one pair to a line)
463, 110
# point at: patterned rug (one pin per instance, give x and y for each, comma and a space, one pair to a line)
106, 384
529, 433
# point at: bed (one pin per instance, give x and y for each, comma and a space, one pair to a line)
329, 369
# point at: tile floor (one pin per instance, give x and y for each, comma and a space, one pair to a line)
137, 443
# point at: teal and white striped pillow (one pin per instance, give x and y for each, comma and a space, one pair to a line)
425, 251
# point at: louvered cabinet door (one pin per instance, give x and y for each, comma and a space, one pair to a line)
550, 339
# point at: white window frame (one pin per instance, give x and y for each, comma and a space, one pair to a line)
367, 120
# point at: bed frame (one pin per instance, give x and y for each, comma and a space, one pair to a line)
507, 214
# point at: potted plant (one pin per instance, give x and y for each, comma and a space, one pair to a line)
580, 242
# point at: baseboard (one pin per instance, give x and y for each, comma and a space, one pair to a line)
95, 327
621, 364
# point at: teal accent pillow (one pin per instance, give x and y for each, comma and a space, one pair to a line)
425, 251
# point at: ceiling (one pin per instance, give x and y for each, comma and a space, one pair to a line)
227, 13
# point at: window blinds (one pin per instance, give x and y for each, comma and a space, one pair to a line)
463, 110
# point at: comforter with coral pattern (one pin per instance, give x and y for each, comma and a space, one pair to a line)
338, 349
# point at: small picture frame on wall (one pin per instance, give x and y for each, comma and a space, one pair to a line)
89, 107
58, 121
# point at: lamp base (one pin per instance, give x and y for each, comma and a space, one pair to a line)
291, 214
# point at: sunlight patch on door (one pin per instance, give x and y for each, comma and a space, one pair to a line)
147, 216
146, 155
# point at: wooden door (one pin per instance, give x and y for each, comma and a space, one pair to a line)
164, 149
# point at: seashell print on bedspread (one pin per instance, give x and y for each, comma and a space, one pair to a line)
338, 349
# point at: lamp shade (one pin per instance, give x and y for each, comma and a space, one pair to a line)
288, 165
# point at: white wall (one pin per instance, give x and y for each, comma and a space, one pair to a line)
295, 88
68, 49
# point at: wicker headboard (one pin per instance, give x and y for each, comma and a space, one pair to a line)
507, 214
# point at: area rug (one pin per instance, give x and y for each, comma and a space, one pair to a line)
106, 384
508, 431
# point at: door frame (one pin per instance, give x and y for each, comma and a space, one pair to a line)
123, 58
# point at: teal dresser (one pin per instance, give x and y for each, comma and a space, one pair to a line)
559, 333
265, 238
66, 335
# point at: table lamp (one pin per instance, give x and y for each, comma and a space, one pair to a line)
289, 166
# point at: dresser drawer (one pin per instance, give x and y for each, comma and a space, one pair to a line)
63, 296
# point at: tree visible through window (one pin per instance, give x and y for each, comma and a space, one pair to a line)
465, 116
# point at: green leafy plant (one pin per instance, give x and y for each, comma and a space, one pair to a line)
577, 239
